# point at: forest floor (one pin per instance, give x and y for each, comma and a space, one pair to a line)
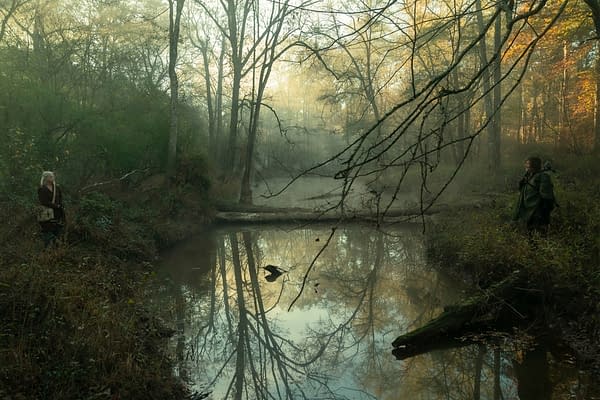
74, 318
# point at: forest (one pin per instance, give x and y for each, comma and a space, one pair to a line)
294, 199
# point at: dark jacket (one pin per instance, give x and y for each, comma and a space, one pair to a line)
536, 199
45, 199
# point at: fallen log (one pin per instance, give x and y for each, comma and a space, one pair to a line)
499, 308
227, 213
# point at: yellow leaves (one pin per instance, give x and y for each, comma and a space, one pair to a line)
583, 96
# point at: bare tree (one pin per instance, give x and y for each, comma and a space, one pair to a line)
212, 47
257, 35
175, 10
6, 12
421, 118
232, 20
270, 44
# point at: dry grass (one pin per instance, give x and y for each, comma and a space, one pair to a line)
75, 328
73, 323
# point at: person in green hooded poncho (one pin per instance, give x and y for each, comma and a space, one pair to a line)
536, 197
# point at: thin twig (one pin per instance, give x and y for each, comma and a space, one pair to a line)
310, 267
127, 175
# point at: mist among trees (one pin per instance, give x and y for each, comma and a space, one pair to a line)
360, 89
165, 119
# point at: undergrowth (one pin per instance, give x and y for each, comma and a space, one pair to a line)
76, 328
73, 319
483, 246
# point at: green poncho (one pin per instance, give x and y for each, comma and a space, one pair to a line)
536, 199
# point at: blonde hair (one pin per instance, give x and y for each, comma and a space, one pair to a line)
45, 176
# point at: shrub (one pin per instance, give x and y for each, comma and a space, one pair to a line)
103, 221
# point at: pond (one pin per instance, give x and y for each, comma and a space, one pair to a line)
277, 312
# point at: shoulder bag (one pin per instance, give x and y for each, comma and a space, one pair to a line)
45, 214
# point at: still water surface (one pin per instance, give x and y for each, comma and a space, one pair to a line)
244, 333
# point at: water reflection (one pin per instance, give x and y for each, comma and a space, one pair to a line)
237, 338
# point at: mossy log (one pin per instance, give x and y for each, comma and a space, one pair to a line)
500, 307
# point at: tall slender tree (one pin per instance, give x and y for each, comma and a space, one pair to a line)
175, 10
594, 6
272, 38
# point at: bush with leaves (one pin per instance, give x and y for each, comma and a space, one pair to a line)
106, 222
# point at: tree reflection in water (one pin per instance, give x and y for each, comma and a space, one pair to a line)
237, 339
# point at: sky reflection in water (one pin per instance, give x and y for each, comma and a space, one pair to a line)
239, 340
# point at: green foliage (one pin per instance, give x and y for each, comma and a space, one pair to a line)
98, 211
87, 129
103, 222
19, 158
192, 170
128, 135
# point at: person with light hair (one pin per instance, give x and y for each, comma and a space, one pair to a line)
51, 216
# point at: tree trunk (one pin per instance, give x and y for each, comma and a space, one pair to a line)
467, 124
246, 191
535, 118
233, 120
219, 106
562, 115
478, 368
458, 149
594, 6
174, 23
522, 115
485, 76
497, 76
236, 42
268, 58
212, 117
597, 103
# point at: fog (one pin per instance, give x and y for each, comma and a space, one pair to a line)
388, 98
